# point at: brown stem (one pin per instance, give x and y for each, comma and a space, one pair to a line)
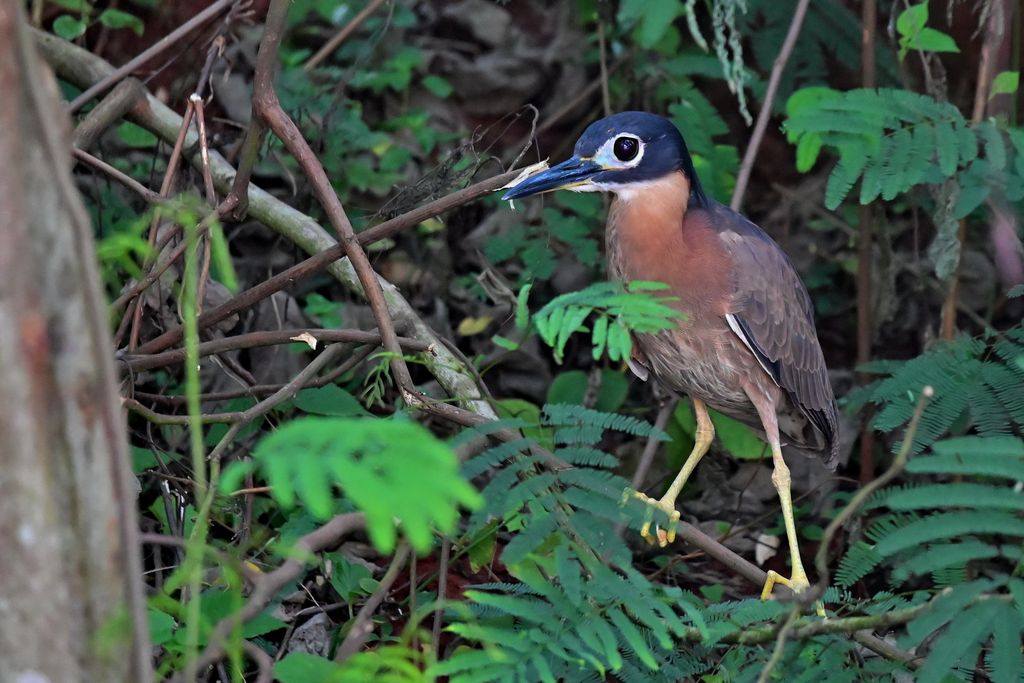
865, 326
140, 362
761, 125
126, 180
268, 585
109, 110
317, 263
363, 626
861, 497
169, 41
267, 107
342, 35
258, 390
993, 37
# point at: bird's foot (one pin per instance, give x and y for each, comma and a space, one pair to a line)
662, 536
797, 583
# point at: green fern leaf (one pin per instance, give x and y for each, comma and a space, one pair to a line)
368, 459
955, 494
944, 555
969, 629
949, 525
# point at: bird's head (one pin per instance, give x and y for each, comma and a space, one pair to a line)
619, 153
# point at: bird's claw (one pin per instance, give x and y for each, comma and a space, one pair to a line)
797, 583
661, 536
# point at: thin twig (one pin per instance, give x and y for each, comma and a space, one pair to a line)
984, 79
320, 261
259, 390
861, 497
363, 626
780, 646
442, 595
268, 585
267, 107
602, 46
140, 362
165, 190
167, 42
651, 447
108, 111
288, 391
341, 36
126, 180
766, 108
158, 269
204, 150
262, 660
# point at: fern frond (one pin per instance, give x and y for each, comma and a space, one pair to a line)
949, 525
954, 494
858, 561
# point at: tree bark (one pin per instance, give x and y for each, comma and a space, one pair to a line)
71, 599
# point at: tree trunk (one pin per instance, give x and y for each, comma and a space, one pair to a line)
71, 599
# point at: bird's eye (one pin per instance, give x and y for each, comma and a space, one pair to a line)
626, 148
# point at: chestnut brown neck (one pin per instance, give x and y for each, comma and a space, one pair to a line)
652, 234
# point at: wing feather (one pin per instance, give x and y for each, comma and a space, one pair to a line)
772, 314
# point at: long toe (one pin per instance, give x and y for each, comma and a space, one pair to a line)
797, 583
659, 535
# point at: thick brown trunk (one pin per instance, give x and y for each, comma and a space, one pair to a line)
71, 604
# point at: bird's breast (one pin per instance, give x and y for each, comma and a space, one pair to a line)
653, 236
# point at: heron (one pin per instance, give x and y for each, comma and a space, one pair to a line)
745, 344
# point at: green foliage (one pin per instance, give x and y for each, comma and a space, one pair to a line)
977, 385
620, 309
388, 663
831, 35
574, 386
914, 35
578, 607
894, 140
975, 528
731, 435
389, 469
566, 229
72, 26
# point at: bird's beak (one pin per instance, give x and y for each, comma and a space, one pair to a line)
572, 172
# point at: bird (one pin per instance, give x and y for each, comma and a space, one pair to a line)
745, 344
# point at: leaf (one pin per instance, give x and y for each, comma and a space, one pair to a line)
571, 387
143, 459
302, 667
967, 628
470, 326
223, 266
931, 40
437, 86
68, 27
115, 18
330, 400
135, 136
161, 626
389, 469
912, 19
347, 576
1005, 83
655, 18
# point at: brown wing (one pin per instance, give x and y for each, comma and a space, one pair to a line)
772, 312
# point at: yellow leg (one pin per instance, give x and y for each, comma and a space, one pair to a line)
798, 581
701, 442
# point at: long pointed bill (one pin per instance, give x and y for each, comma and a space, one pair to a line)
572, 172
